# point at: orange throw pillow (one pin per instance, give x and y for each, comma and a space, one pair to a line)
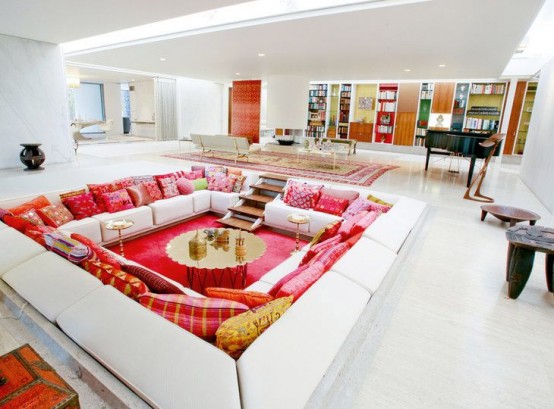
250, 298
37, 203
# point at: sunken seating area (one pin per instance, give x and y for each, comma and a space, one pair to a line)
315, 329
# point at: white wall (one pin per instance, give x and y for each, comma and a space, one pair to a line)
112, 104
537, 167
201, 107
142, 108
33, 101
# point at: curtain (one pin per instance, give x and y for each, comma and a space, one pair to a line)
165, 92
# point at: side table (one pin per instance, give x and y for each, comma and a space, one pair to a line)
523, 242
119, 225
30, 382
509, 214
298, 219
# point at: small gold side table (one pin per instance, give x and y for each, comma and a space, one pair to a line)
298, 219
119, 225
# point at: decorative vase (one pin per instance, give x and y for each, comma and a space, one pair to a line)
197, 247
32, 156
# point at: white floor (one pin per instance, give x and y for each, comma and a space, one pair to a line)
454, 340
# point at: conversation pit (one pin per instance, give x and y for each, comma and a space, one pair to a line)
320, 307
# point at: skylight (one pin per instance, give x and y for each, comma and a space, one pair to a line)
224, 18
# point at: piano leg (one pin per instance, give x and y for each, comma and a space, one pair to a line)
427, 159
471, 167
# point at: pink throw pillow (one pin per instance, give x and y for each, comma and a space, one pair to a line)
358, 205
363, 223
302, 282
331, 204
82, 206
185, 186
117, 201
167, 185
346, 227
330, 256
221, 183
319, 247
301, 195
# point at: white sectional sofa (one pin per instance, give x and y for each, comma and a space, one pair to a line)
169, 367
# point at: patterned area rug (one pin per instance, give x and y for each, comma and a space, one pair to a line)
311, 167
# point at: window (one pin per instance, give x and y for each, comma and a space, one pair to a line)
86, 103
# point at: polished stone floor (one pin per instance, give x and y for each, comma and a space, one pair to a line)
453, 338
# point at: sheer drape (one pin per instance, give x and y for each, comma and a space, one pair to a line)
165, 92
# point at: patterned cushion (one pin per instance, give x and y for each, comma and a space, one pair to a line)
349, 195
321, 246
55, 215
250, 298
37, 203
17, 222
126, 283
194, 174
363, 223
139, 195
234, 171
153, 190
167, 184
117, 201
302, 282
301, 195
199, 168
378, 201
4, 212
185, 186
221, 183
327, 231
200, 184
123, 183
65, 246
102, 254
72, 193
358, 205
212, 171
98, 190
331, 204
330, 256
155, 283
347, 225
277, 286
238, 333
37, 233
32, 217
200, 316
239, 181
137, 180
82, 205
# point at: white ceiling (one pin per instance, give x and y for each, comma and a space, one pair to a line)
474, 38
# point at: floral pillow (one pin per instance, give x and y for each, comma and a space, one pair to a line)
167, 184
200, 169
55, 215
221, 183
32, 217
117, 201
301, 195
153, 190
331, 204
212, 171
82, 205
123, 183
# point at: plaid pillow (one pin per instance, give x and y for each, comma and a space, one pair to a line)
302, 282
126, 283
200, 316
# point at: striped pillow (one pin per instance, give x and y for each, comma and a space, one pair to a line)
200, 316
302, 282
126, 283
156, 283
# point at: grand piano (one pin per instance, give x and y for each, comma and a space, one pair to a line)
459, 143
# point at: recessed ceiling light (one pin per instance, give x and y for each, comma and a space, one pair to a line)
407, 70
162, 59
132, 80
237, 73
442, 65
261, 55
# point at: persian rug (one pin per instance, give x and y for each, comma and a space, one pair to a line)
311, 167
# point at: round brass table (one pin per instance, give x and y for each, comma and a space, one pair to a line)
298, 219
221, 258
119, 225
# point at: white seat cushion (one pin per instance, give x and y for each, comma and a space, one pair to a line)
408, 210
142, 216
168, 210
389, 231
16, 248
319, 220
3, 226
260, 286
166, 365
276, 213
50, 283
366, 263
222, 201
88, 227
284, 365
201, 200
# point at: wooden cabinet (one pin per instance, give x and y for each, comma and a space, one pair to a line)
442, 98
362, 132
404, 129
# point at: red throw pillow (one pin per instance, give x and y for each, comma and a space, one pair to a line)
330, 256
37, 233
194, 174
37, 203
301, 195
102, 254
361, 204
32, 217
156, 283
347, 225
277, 286
331, 204
4, 212
302, 282
364, 223
126, 283
153, 190
167, 184
221, 183
139, 195
185, 186
98, 190
201, 316
123, 183
17, 223
251, 298
82, 206
55, 215
321, 246
117, 201
199, 168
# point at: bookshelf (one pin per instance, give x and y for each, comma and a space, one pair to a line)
344, 110
424, 111
386, 110
484, 107
317, 108
459, 107
333, 109
525, 118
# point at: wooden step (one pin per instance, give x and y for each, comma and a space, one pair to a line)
257, 198
247, 225
267, 186
248, 210
274, 176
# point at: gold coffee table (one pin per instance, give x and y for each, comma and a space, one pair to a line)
119, 225
220, 259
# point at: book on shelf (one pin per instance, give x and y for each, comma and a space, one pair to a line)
487, 89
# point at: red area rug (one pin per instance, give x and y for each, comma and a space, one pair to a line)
312, 167
149, 250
